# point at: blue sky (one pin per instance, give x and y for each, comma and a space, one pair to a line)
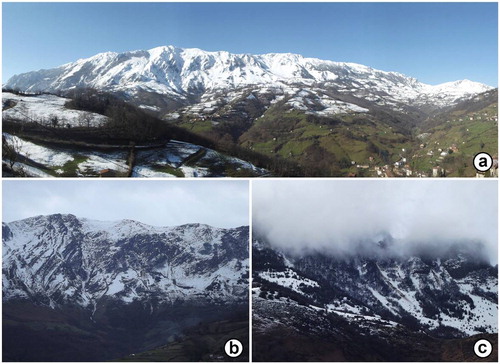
159, 203
434, 42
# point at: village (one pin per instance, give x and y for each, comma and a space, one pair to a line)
435, 154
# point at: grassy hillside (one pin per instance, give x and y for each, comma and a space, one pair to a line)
454, 137
322, 146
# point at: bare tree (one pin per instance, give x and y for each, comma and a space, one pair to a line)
11, 154
54, 120
85, 120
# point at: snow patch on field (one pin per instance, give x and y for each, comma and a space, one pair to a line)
145, 171
194, 172
38, 153
58, 157
100, 161
338, 107
147, 107
43, 108
356, 317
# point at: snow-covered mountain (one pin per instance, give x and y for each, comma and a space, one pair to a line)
372, 306
166, 78
454, 294
59, 259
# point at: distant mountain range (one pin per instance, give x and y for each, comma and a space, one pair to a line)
373, 306
124, 283
188, 76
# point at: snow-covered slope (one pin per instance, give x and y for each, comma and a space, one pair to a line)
60, 259
187, 74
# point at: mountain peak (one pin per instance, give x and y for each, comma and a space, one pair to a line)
41, 219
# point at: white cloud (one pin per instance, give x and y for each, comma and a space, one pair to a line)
335, 215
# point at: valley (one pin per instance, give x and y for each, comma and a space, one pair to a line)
360, 142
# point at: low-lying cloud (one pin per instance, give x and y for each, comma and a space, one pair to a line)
336, 216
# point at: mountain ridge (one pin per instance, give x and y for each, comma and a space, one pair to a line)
125, 220
166, 69
433, 292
